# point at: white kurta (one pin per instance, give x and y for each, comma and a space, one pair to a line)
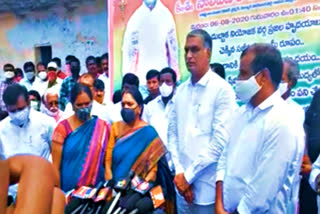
150, 42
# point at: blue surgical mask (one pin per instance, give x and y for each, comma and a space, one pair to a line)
128, 115
20, 118
83, 113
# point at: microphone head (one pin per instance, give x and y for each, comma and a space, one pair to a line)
145, 205
132, 201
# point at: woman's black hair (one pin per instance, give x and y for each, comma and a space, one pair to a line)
78, 89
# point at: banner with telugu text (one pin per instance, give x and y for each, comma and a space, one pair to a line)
293, 26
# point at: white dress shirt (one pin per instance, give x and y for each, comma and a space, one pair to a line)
150, 42
156, 114
297, 113
195, 125
297, 110
34, 138
107, 88
261, 159
26, 83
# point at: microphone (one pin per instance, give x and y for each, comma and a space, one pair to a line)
130, 203
144, 206
120, 186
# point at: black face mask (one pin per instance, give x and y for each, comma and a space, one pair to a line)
128, 115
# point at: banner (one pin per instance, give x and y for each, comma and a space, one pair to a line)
293, 26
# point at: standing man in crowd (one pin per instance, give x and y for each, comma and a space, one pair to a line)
24, 131
92, 66
153, 79
60, 73
157, 112
261, 160
69, 82
50, 105
202, 105
105, 75
42, 84
8, 70
30, 75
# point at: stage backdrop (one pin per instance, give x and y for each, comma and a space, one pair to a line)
293, 26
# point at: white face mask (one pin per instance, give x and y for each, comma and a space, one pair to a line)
48, 112
246, 89
165, 90
43, 75
20, 118
29, 75
9, 74
283, 87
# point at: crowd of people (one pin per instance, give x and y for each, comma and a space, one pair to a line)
213, 155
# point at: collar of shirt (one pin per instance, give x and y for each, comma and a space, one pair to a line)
267, 103
159, 100
202, 82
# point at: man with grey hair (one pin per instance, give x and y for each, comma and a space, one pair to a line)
51, 104
290, 77
202, 105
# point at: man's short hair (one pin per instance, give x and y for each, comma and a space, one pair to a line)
13, 92
293, 70
8, 67
43, 64
85, 76
130, 79
98, 84
153, 73
18, 71
57, 61
98, 60
75, 59
206, 38
219, 69
69, 58
35, 94
28, 64
170, 71
91, 58
266, 56
105, 56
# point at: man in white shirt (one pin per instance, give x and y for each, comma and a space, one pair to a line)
42, 82
51, 81
262, 157
105, 76
157, 111
290, 77
202, 104
30, 75
150, 41
24, 131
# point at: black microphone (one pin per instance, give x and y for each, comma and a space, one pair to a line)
130, 203
143, 206
121, 186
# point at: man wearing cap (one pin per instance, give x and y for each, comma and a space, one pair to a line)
52, 80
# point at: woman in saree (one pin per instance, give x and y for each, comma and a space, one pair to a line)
79, 143
134, 146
